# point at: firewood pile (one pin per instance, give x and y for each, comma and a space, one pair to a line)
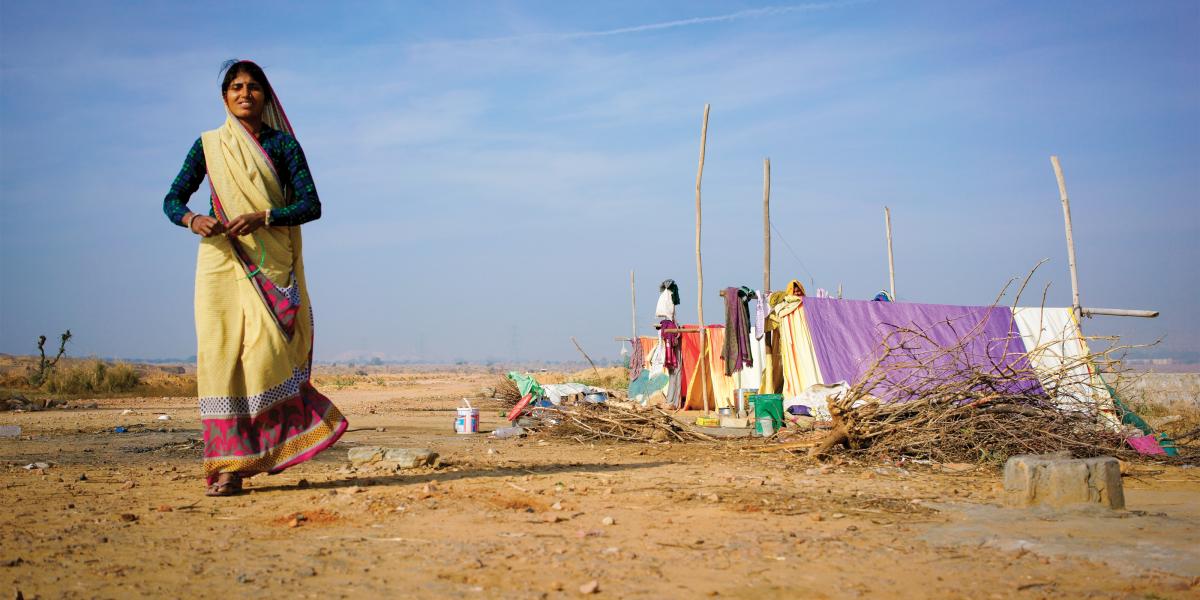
611, 421
947, 406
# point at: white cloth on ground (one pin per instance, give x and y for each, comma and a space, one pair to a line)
816, 398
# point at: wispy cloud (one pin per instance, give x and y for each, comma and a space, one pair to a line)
750, 13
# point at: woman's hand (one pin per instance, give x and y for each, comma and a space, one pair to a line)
247, 223
206, 226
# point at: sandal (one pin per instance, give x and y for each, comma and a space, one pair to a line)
229, 487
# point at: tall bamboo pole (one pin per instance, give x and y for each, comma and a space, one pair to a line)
1066, 204
766, 226
887, 217
633, 301
699, 264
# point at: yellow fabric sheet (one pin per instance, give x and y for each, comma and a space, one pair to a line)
792, 343
799, 358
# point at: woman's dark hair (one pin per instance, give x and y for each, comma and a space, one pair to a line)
231, 69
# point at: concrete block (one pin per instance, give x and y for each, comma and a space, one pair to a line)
391, 458
1056, 480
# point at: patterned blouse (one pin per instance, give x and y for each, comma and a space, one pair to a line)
288, 159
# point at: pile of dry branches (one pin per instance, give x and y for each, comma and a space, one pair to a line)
506, 391
584, 422
924, 400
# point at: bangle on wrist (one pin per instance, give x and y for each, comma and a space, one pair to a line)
190, 222
267, 218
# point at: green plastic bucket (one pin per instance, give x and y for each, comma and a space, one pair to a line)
767, 406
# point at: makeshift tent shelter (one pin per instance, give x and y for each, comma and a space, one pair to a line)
822, 340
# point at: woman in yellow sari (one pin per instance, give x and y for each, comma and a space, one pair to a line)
254, 324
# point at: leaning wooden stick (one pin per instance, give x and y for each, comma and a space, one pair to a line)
699, 263
589, 359
1066, 204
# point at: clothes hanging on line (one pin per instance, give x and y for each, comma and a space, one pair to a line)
636, 360
736, 347
671, 344
668, 298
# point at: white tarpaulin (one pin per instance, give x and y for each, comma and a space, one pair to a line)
1059, 355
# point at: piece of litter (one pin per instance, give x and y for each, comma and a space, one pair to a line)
37, 465
164, 417
10, 431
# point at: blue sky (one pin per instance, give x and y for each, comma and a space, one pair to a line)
491, 171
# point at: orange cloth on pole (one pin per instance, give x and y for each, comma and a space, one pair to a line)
707, 377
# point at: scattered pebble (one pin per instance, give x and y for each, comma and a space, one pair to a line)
128, 517
306, 572
556, 506
553, 518
816, 517
608, 521
590, 587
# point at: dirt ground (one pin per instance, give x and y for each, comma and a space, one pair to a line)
120, 515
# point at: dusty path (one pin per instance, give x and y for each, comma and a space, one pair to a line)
528, 519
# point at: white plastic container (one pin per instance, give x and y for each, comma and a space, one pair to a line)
766, 427
467, 420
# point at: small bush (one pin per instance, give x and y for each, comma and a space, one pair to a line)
90, 377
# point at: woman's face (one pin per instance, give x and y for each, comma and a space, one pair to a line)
245, 98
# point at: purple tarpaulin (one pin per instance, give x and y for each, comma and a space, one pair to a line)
848, 336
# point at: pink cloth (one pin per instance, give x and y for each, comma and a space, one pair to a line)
1146, 444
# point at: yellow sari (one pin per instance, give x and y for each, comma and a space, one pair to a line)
254, 321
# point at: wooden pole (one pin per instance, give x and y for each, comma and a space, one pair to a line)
766, 225
589, 359
887, 217
633, 299
699, 263
1119, 312
1066, 204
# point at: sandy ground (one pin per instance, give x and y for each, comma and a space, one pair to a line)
120, 515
